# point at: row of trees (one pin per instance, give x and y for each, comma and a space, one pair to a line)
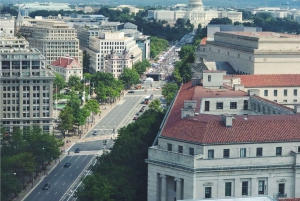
24, 154
74, 114
157, 45
122, 173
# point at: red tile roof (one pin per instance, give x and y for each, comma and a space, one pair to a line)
290, 199
209, 129
203, 41
270, 80
66, 62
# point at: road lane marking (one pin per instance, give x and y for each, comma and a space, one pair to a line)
70, 174
63, 175
55, 183
64, 183
47, 193
55, 174
39, 193
55, 193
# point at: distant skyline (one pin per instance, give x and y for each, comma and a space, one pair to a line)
213, 3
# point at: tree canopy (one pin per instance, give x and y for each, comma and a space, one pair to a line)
169, 92
157, 45
59, 81
129, 77
224, 20
141, 66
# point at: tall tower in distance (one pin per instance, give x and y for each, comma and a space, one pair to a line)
195, 5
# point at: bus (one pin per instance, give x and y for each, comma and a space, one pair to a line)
146, 100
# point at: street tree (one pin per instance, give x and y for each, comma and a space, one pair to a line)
169, 91
66, 117
155, 105
224, 20
74, 82
59, 81
129, 77
93, 106
141, 67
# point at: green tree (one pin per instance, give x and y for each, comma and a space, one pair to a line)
93, 106
129, 77
224, 20
87, 76
180, 22
155, 105
74, 82
186, 50
59, 81
157, 45
141, 66
86, 62
169, 92
66, 117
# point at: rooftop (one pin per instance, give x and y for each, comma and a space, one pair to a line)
289, 199
66, 62
269, 80
210, 129
262, 34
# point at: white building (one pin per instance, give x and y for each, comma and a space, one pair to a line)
254, 52
132, 9
67, 66
101, 46
26, 87
27, 8
195, 13
116, 62
218, 142
280, 88
53, 38
7, 25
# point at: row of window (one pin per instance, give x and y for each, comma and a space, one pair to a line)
112, 43
245, 189
24, 122
285, 92
24, 82
243, 152
180, 149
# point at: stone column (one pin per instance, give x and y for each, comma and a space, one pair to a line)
163, 190
178, 188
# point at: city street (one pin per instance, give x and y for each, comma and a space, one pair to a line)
60, 178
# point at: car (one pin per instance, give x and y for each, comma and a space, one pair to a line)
142, 110
68, 164
46, 186
131, 92
158, 87
95, 132
77, 150
137, 114
135, 118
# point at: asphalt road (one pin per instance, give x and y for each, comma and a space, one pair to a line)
122, 114
60, 179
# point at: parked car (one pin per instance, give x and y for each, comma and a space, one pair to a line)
46, 186
142, 110
135, 118
77, 150
68, 164
95, 132
131, 92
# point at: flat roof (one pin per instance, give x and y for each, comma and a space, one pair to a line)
261, 34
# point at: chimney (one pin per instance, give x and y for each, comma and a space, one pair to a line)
297, 109
227, 119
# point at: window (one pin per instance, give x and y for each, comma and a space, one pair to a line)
180, 149
285, 92
209, 78
242, 152
259, 151
295, 92
226, 153
275, 92
298, 149
285, 101
245, 188
207, 192
245, 104
233, 105
169, 147
281, 188
278, 151
219, 105
228, 189
191, 151
211, 153
261, 187
206, 106
265, 92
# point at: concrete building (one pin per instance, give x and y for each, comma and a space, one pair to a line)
101, 46
27, 8
217, 142
26, 86
67, 66
7, 25
53, 38
213, 28
84, 33
132, 9
116, 62
195, 13
253, 52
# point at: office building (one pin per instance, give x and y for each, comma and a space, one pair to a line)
253, 52
217, 141
26, 86
54, 39
101, 46
7, 25
27, 8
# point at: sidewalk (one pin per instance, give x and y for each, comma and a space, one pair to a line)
72, 139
